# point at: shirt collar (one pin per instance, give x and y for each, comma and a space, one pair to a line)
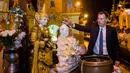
102, 27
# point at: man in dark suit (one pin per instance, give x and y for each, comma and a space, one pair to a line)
103, 38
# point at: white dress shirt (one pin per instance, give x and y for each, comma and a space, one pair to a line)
96, 47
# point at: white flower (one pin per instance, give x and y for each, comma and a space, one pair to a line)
16, 19
21, 15
11, 32
4, 33
17, 9
20, 24
14, 24
14, 11
16, 14
21, 20
18, 43
21, 35
7, 22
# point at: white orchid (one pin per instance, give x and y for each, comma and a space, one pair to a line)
7, 32
4, 33
11, 32
21, 20
21, 15
17, 9
16, 20
7, 22
18, 43
12, 38
18, 39
16, 14
21, 35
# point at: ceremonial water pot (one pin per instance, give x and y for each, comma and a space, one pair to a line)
96, 64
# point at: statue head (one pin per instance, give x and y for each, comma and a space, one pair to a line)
64, 30
43, 21
42, 18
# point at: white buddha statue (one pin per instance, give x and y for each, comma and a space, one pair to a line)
68, 51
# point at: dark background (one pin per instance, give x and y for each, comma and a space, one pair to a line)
92, 7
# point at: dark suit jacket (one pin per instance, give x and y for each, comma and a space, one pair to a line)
111, 40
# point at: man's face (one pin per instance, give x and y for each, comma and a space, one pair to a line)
102, 20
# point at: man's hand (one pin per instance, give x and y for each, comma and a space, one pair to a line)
67, 22
117, 63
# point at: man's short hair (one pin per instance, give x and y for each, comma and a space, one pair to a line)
104, 12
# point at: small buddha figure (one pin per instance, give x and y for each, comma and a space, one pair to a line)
42, 56
115, 22
123, 17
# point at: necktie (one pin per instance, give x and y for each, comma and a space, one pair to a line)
101, 43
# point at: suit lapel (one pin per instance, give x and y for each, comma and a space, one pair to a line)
96, 33
107, 36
